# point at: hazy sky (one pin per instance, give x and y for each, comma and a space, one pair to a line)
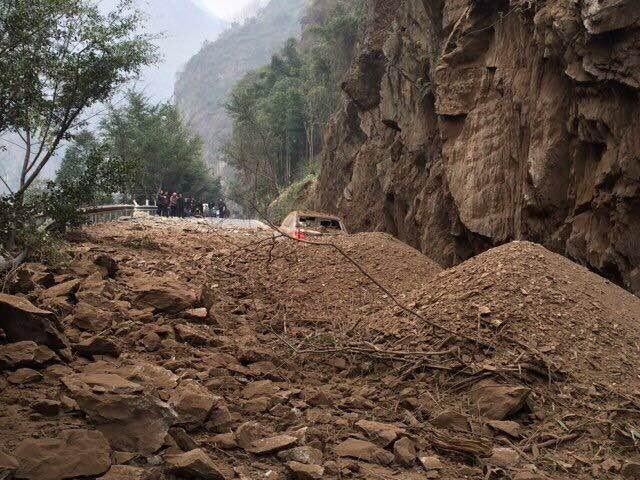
226, 9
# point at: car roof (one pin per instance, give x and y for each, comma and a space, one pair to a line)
309, 213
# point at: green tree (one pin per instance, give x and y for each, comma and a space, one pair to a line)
279, 110
57, 59
154, 144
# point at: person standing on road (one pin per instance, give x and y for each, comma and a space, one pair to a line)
173, 204
180, 206
222, 209
160, 203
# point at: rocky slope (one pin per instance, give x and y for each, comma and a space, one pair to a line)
469, 123
167, 349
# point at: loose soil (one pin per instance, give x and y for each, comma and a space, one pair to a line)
357, 359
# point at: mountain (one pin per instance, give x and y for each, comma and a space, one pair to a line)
468, 123
202, 87
183, 27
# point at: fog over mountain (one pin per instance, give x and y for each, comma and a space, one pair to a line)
184, 26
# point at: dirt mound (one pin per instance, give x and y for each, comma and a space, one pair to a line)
521, 292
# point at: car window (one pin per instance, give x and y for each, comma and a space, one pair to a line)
320, 223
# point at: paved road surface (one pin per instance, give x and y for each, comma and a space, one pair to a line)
237, 224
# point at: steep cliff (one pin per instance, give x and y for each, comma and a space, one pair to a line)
469, 123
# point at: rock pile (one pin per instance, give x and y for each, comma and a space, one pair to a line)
284, 361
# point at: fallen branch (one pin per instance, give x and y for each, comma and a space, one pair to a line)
6, 265
555, 442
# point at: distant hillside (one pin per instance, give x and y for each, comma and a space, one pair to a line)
202, 87
184, 27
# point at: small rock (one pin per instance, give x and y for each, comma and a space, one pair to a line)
219, 419
151, 342
271, 444
25, 354
8, 465
451, 420
248, 433
365, 451
430, 463
49, 408
383, 434
306, 455
89, 318
503, 457
122, 458
172, 298
256, 405
302, 471
76, 453
405, 451
107, 264
23, 376
496, 401
194, 464
320, 398
182, 439
192, 335
197, 314
132, 420
225, 441
64, 289
125, 472
259, 389
193, 403
21, 320
505, 426
97, 346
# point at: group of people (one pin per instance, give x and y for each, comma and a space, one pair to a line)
174, 204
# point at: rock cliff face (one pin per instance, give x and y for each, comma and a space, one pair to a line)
470, 123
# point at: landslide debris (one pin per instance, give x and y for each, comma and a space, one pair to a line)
284, 360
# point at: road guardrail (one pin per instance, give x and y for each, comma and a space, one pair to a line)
107, 213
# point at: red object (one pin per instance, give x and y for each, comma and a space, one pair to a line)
298, 234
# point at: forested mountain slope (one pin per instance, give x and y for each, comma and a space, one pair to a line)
201, 89
469, 123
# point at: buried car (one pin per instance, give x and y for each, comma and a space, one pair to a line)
304, 225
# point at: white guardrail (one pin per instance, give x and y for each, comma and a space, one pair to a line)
107, 213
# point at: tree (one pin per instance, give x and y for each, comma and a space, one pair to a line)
57, 59
158, 148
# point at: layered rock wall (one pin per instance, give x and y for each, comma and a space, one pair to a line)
469, 123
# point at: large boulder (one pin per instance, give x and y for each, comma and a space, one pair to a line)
25, 354
365, 451
496, 401
132, 420
97, 345
76, 453
89, 318
64, 289
384, 434
172, 298
21, 321
193, 403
